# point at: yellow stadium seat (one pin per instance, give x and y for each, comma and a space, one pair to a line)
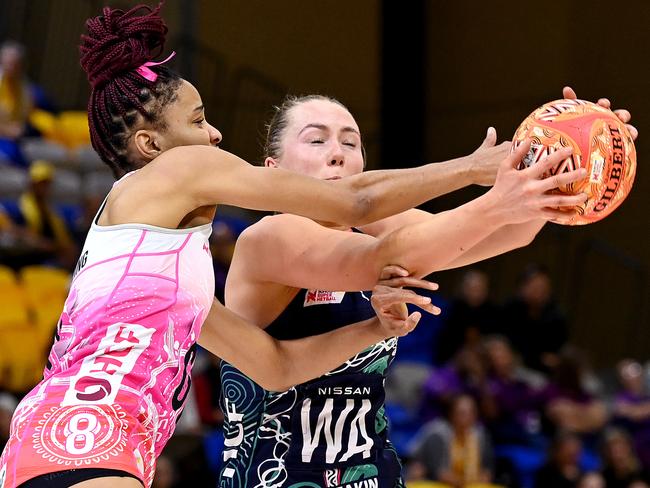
7, 276
45, 320
73, 129
44, 122
22, 359
43, 284
69, 128
13, 307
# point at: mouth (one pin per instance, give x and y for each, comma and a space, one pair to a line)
333, 178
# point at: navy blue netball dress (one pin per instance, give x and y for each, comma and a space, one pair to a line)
327, 433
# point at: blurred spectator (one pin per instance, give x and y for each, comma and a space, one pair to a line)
510, 401
206, 381
420, 347
7, 406
569, 406
467, 373
9, 233
470, 315
188, 462
456, 451
632, 406
533, 322
52, 241
592, 479
621, 465
222, 247
165, 476
90, 204
15, 100
18, 246
562, 469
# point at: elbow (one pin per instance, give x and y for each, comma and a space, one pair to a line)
522, 239
274, 376
526, 240
359, 208
363, 207
528, 237
274, 382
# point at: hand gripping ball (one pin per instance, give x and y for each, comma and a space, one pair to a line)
601, 143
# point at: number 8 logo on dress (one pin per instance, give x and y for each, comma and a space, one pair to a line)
82, 434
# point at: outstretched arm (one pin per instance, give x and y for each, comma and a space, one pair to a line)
345, 261
209, 176
277, 365
502, 240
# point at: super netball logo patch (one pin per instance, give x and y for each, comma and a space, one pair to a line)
317, 297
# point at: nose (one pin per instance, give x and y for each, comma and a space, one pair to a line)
215, 135
336, 158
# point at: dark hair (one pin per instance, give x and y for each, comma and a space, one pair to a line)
561, 438
280, 119
568, 372
531, 270
453, 402
15, 45
117, 43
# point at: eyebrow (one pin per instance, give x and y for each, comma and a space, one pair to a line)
199, 108
324, 128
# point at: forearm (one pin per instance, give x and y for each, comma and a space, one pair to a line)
430, 245
504, 239
332, 349
278, 365
388, 192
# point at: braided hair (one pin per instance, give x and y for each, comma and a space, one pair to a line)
121, 100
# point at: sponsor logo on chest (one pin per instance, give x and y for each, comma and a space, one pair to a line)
317, 297
344, 390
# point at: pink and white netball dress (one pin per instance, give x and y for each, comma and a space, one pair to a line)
119, 370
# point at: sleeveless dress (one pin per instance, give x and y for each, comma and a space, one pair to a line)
329, 432
118, 372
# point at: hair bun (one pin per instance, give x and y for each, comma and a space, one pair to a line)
119, 42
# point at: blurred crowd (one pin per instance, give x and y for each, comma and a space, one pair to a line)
487, 394
507, 399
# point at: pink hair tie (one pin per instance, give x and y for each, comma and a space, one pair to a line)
146, 73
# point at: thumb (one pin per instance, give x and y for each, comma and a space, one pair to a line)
413, 320
568, 92
490, 138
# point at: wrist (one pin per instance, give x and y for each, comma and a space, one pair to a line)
467, 173
490, 211
376, 332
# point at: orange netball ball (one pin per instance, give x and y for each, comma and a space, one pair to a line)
601, 143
